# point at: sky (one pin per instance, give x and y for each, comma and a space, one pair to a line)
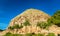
11, 8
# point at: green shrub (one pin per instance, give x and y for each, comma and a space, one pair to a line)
58, 34
20, 26
8, 34
43, 25
51, 34
11, 28
26, 23
56, 18
17, 35
28, 34
40, 34
16, 26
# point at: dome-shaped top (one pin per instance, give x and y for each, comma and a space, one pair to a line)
31, 14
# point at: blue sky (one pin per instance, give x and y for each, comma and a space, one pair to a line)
11, 8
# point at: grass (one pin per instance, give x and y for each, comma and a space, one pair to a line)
28, 34
51, 34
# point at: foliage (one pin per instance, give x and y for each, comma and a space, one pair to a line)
28, 34
40, 34
31, 34
51, 34
17, 35
58, 34
26, 23
43, 25
11, 27
16, 26
49, 22
56, 18
8, 34
34, 35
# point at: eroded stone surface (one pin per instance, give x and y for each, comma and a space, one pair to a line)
34, 16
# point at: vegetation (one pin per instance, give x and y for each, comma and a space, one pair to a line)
31, 34
8, 34
17, 35
28, 34
56, 18
11, 28
16, 26
58, 34
26, 23
40, 35
51, 34
43, 25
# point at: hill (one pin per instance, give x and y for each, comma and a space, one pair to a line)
31, 21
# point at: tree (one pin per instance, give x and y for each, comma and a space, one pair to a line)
56, 18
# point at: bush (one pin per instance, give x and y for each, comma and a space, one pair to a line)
56, 18
40, 34
58, 34
28, 34
26, 23
16, 26
20, 26
43, 25
11, 28
8, 34
17, 35
51, 34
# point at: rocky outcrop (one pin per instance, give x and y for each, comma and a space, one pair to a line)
34, 16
